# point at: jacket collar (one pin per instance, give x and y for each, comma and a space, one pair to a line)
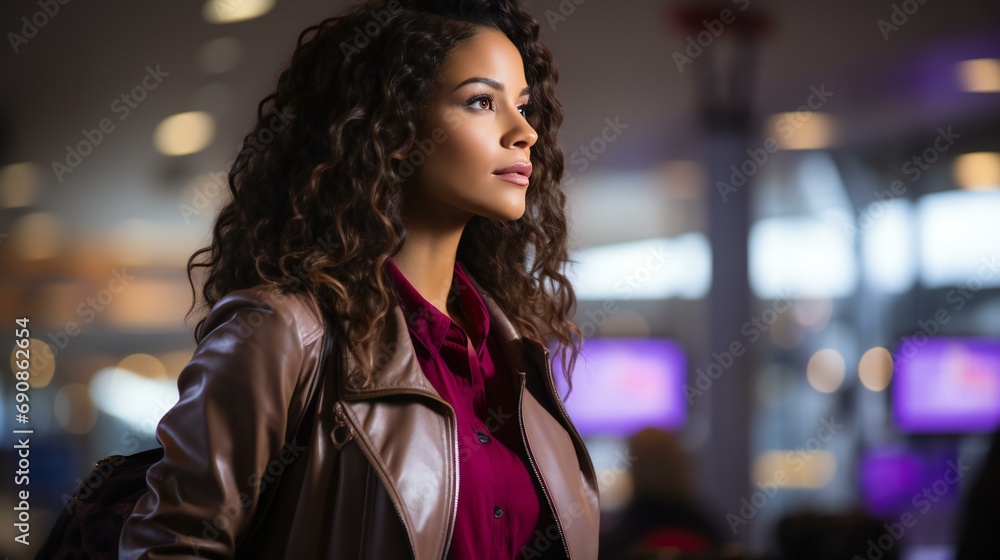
400, 372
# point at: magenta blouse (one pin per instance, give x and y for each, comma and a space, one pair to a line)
499, 500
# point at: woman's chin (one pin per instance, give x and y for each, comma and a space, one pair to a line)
508, 214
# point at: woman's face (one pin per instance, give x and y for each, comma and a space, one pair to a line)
475, 127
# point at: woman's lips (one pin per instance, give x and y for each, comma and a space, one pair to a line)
515, 178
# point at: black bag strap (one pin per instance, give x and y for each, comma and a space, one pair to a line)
303, 431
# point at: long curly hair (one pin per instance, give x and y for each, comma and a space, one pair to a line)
316, 193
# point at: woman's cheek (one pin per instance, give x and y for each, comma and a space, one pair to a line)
453, 121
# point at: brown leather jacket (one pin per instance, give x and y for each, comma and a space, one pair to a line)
379, 478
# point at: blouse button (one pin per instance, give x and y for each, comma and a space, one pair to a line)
497, 512
483, 438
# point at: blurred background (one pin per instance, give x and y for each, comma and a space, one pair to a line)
786, 233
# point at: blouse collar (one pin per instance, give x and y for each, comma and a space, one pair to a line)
430, 325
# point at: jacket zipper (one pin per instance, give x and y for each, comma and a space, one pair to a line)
344, 420
545, 492
550, 381
366, 522
341, 423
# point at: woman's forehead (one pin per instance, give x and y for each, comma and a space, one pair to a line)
488, 54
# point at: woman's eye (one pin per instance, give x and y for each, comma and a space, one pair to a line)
482, 102
485, 103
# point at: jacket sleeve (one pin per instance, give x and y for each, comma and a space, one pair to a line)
219, 439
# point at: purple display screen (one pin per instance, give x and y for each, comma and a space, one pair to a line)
621, 385
946, 385
893, 479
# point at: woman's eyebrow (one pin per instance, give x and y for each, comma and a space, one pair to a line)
492, 83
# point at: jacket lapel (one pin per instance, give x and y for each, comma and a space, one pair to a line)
425, 492
552, 438
412, 447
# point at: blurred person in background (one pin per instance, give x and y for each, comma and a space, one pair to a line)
980, 516
664, 514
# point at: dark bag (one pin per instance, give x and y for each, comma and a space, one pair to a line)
90, 526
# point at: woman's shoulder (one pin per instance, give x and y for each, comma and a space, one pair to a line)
266, 304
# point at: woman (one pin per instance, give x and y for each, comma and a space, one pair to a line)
412, 198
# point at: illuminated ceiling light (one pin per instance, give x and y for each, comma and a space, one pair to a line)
36, 236
19, 184
957, 233
875, 369
825, 370
801, 130
977, 170
184, 133
657, 268
231, 11
979, 75
801, 256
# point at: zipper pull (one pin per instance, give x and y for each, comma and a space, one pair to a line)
342, 430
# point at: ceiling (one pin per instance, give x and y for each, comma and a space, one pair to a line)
614, 58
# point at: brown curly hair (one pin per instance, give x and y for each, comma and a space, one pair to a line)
316, 201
